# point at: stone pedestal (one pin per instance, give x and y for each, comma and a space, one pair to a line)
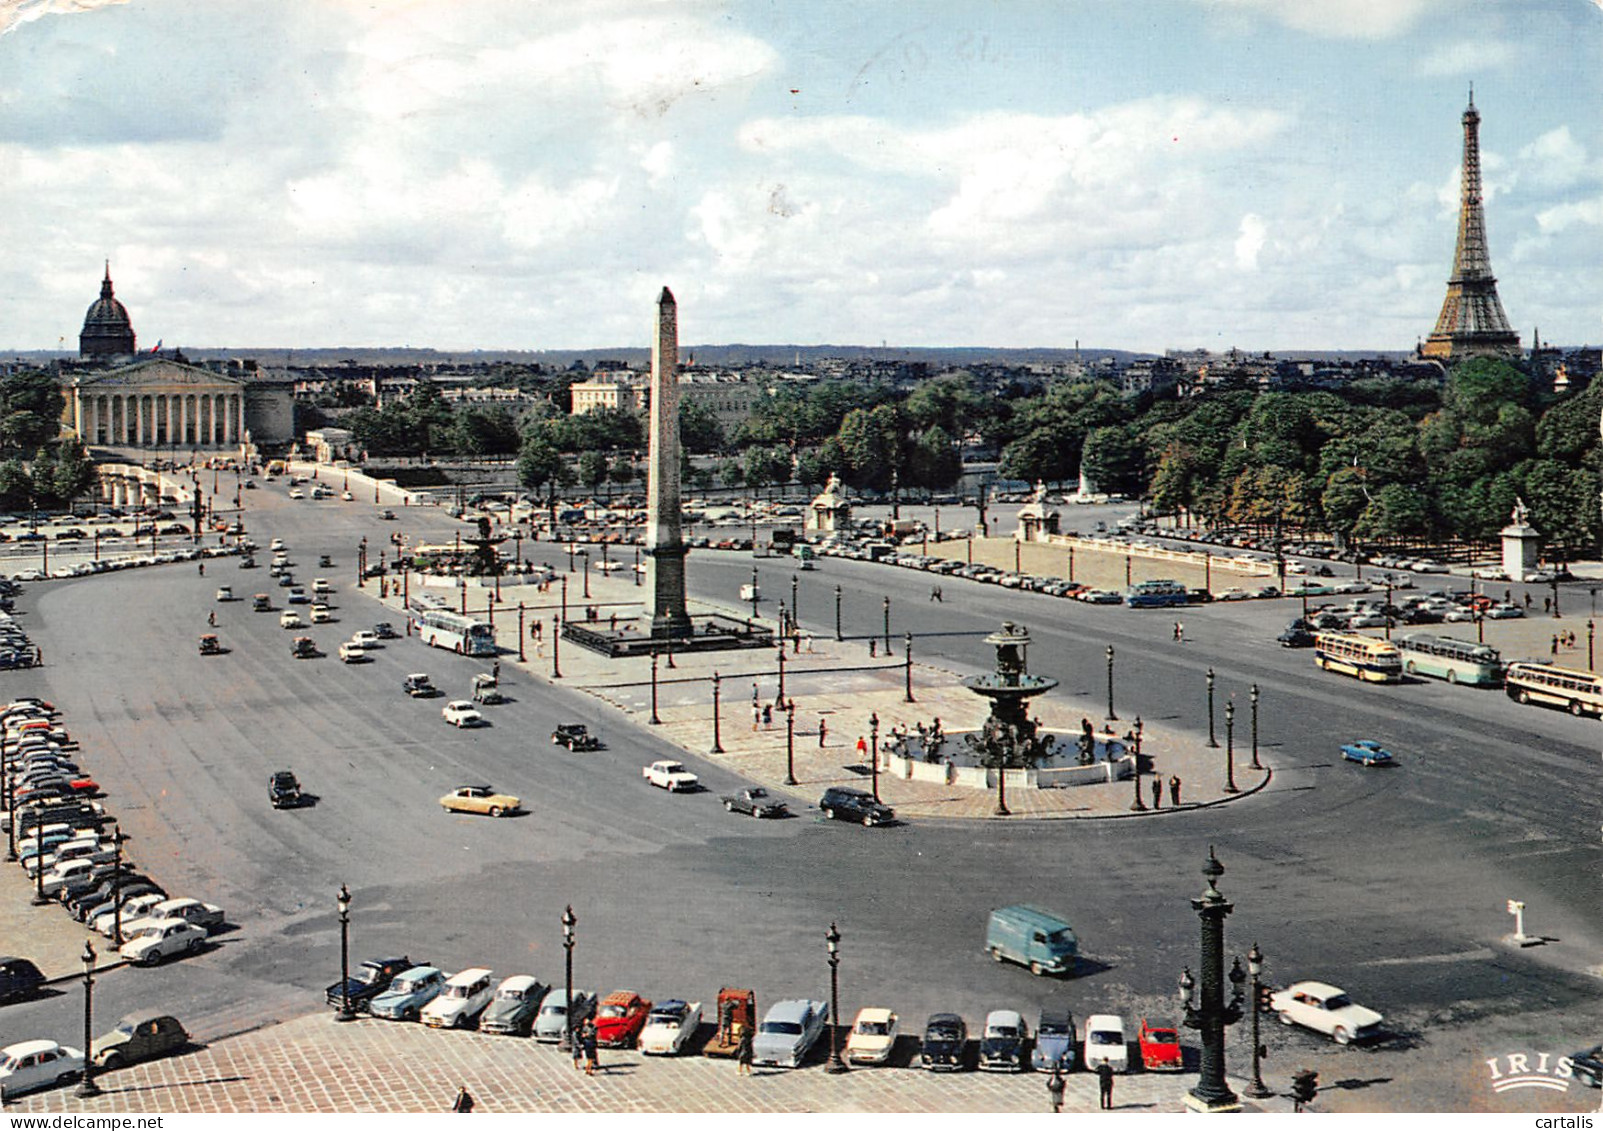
1522, 545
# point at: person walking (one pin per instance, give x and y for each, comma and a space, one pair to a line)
1179, 633
202, 567
756, 716
743, 1052
873, 647
1054, 1089
592, 1059
768, 716
576, 1035
495, 671
211, 618
463, 1101
1174, 790
823, 731
862, 747
1104, 1081
1157, 793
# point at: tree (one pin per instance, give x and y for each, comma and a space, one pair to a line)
1112, 459
74, 471
592, 469
484, 431
16, 486
699, 429
540, 465
933, 462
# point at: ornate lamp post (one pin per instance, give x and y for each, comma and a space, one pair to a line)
39, 899
655, 721
556, 647
1211, 1016
346, 1013
873, 755
87, 1087
1212, 741
837, 612
887, 626
779, 699
795, 608
907, 669
753, 592
1111, 715
832, 942
585, 554
568, 922
790, 742
1252, 698
717, 735
1138, 806
1230, 747
118, 838
1255, 967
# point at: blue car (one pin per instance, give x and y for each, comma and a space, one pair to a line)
408, 994
1367, 753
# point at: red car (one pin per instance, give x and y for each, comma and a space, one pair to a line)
619, 1019
1160, 1048
76, 787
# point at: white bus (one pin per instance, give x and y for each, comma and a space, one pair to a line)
1446, 657
1580, 693
462, 634
1365, 657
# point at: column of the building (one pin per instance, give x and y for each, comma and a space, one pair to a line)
240, 409
139, 420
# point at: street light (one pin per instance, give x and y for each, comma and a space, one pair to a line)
1256, 1089
837, 612
1138, 806
568, 922
790, 742
795, 607
1252, 697
346, 1013
655, 721
780, 698
1211, 1016
87, 1087
832, 941
907, 669
1212, 741
585, 554
717, 737
118, 838
753, 592
1230, 747
873, 732
887, 625
1111, 715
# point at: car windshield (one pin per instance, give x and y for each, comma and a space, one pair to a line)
873, 1028
1338, 1001
665, 1021
1060, 938
756, 794
1106, 1037
613, 1011
788, 1028
1002, 1032
510, 994
555, 1009
368, 975
405, 986
941, 1033
126, 1028
1052, 1029
1162, 1036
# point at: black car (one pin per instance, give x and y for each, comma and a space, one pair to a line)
384, 630
757, 802
1296, 636
86, 884
369, 980
80, 815
283, 790
575, 736
1588, 1066
1002, 1043
854, 805
945, 1041
19, 978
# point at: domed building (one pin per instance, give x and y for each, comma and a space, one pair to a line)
107, 330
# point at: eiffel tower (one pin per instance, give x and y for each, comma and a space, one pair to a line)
1472, 322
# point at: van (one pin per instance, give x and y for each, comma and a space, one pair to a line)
1032, 937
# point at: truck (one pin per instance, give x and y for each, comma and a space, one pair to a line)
1033, 937
737, 1011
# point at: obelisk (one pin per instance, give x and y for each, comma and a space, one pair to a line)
665, 550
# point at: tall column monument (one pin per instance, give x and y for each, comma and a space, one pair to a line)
665, 550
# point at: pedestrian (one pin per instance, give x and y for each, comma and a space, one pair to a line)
1527, 599
768, 715
1174, 790
1104, 1080
755, 697
873, 647
38, 656
743, 1052
1547, 604
614, 622
576, 1037
202, 567
1554, 647
495, 671
1054, 1088
1179, 633
592, 1060
823, 730
1175, 635
464, 1100
862, 747
756, 717
1157, 793
211, 618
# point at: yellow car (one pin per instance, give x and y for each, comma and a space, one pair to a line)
480, 799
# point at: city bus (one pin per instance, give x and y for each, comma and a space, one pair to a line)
1365, 657
1580, 693
1159, 594
1446, 657
445, 629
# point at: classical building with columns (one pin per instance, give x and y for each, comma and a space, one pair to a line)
162, 403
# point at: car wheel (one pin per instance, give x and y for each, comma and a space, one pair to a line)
67, 1078
1576, 708
1409, 667
729, 806
409, 1014
1285, 1019
150, 957
195, 945
1452, 677
112, 1062
1341, 1036
495, 810
829, 814
1524, 697
1035, 968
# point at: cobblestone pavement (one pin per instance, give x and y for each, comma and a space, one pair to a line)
314, 1065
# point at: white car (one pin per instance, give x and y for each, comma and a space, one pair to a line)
37, 1064
1459, 615
289, 618
668, 1026
321, 614
462, 713
670, 775
873, 1036
296, 493
347, 496
277, 545
1325, 1009
461, 1001
163, 939
365, 639
321, 585
69, 870
225, 593
1106, 1042
352, 653
134, 908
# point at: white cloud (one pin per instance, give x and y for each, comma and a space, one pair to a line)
15, 13
1253, 234
1467, 57
1555, 159
1339, 19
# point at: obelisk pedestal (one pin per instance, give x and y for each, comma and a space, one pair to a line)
664, 548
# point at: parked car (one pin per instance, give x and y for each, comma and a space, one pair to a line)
1367, 753
756, 801
553, 1018
164, 939
512, 1010
620, 1017
1159, 1046
945, 1043
206, 916
873, 1036
225, 593
136, 904
1056, 1044
671, 775
461, 713
417, 685
366, 982
321, 614
404, 998
669, 1027
1106, 1043
788, 1031
461, 1000
854, 805
19, 978
575, 736
480, 799
1325, 1009
284, 790
139, 1036
1002, 1044
28, 1065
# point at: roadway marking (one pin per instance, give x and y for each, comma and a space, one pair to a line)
1475, 955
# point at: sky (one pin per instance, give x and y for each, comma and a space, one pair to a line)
527, 174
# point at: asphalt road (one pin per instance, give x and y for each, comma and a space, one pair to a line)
1390, 883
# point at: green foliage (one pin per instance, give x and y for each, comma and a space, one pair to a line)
16, 486
699, 430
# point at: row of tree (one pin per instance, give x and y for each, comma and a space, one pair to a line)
36, 468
